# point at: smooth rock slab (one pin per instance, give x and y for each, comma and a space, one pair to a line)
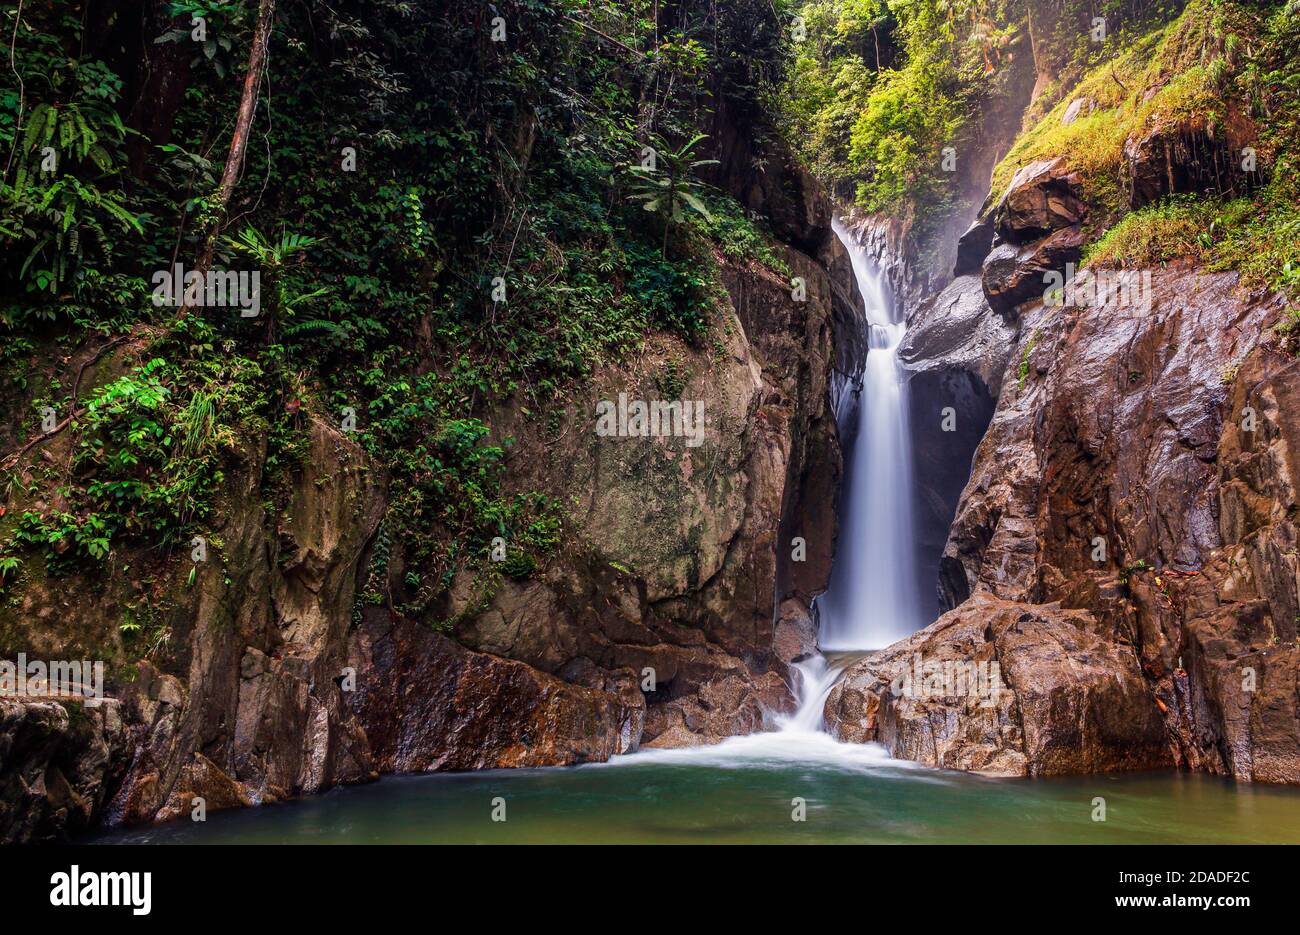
1055, 699
427, 703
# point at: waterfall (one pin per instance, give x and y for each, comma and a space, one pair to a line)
874, 595
873, 598
816, 679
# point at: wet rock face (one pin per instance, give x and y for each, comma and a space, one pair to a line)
1119, 414
957, 330
1007, 689
56, 763
1116, 477
1043, 197
1237, 707
973, 246
426, 704
949, 410
260, 702
1197, 155
955, 352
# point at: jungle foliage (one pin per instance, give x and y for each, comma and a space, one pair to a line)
448, 209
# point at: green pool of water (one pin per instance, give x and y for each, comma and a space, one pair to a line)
744, 790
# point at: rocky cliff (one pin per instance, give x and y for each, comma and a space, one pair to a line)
1122, 556
654, 624
684, 562
1120, 518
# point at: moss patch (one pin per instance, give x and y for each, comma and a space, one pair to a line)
1177, 72
1216, 57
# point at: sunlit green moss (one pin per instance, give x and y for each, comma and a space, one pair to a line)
1175, 73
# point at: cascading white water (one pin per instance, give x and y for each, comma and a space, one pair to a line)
816, 679
873, 597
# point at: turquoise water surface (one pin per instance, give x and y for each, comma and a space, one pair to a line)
747, 790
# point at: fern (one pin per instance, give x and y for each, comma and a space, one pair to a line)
60, 216
313, 328
198, 424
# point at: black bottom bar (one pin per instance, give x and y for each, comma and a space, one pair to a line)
334, 885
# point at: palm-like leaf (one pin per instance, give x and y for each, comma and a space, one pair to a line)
669, 189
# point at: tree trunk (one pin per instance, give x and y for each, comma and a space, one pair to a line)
668, 221
159, 84
243, 124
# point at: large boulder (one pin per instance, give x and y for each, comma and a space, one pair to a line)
1043, 196
1006, 689
796, 633
1014, 275
56, 763
973, 246
203, 783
